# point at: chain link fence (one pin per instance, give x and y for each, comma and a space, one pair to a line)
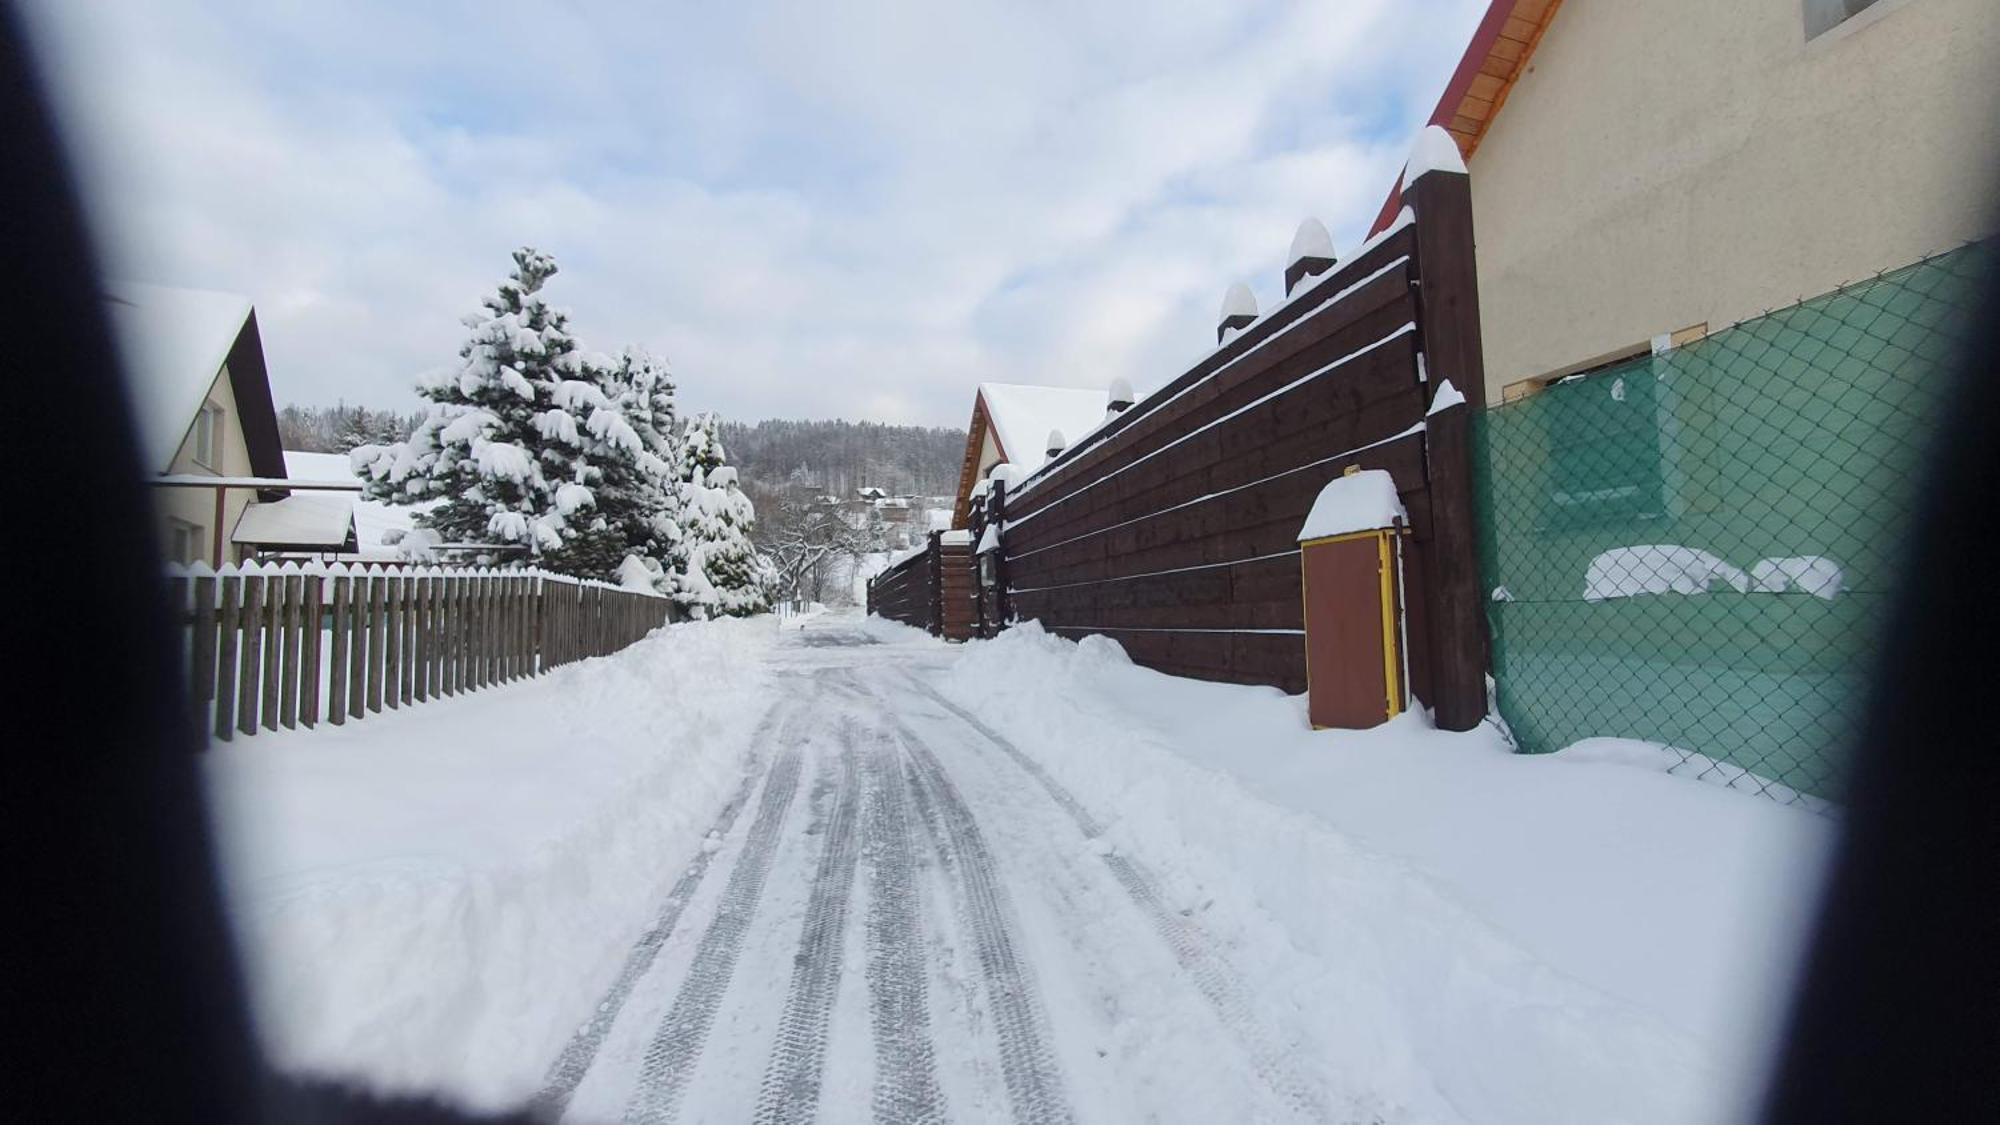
1696, 548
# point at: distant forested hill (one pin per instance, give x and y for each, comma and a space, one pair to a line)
842, 456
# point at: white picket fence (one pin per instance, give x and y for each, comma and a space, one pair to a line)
273, 646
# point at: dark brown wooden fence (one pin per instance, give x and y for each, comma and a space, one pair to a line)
1172, 528
908, 591
956, 586
272, 647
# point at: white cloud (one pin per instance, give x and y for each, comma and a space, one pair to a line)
855, 209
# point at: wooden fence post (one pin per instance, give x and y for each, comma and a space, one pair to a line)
273, 647
338, 660
309, 662
996, 515
392, 658
201, 653
288, 687
357, 644
1448, 323
410, 615
378, 636
252, 665
228, 633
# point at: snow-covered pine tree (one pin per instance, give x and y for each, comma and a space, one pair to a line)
725, 574
637, 485
718, 569
506, 442
701, 449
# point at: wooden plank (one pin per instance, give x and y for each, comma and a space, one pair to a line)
357, 646
406, 685
441, 628
1450, 308
338, 659
392, 659
288, 688
229, 633
1120, 439
251, 667
516, 602
378, 636
421, 637
311, 609
272, 645
201, 649
480, 620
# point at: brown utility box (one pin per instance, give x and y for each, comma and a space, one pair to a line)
1356, 664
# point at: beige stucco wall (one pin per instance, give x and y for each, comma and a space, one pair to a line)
197, 505
1663, 165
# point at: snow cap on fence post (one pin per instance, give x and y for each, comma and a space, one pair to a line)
1118, 398
1239, 311
1435, 151
1311, 254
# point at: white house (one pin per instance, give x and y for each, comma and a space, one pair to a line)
208, 432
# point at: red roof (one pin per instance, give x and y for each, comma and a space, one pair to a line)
1497, 56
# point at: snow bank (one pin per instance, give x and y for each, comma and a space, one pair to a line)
433, 899
1812, 574
1362, 501
1515, 938
1657, 568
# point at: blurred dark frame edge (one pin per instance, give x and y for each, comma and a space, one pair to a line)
124, 1001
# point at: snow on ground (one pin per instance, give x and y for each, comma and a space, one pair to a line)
430, 898
1016, 874
1554, 939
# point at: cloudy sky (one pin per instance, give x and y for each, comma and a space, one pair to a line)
852, 209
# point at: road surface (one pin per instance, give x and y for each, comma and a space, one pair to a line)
901, 918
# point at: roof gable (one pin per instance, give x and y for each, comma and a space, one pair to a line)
1022, 417
172, 343
1494, 60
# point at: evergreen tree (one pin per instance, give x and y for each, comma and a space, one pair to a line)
723, 573
637, 486
718, 570
508, 439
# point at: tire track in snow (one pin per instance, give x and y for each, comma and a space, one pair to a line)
1191, 946
790, 1090
576, 1058
1027, 1064
906, 1082
676, 1047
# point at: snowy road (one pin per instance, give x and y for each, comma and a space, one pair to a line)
902, 918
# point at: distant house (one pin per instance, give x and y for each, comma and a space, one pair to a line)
1013, 423
201, 398
1646, 172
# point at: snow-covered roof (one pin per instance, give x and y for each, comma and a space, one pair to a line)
174, 342
1022, 417
1362, 501
372, 518
303, 519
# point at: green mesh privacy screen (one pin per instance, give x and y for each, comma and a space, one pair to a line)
1697, 548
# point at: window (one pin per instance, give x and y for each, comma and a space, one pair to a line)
183, 541
208, 436
1605, 448
1825, 15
